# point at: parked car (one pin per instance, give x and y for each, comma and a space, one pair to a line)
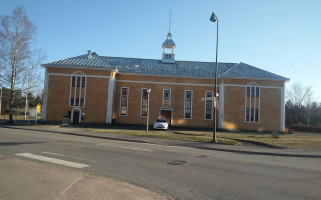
160, 124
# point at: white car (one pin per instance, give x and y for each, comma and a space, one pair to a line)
161, 124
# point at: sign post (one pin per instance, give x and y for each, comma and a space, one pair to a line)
33, 115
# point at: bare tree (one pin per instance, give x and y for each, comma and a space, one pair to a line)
301, 98
299, 94
18, 61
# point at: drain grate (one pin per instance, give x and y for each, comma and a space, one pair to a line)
176, 162
201, 156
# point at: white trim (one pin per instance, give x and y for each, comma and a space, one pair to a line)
72, 114
75, 91
191, 103
167, 76
282, 108
45, 97
245, 107
120, 100
141, 102
85, 90
170, 96
221, 104
211, 107
251, 85
82, 76
192, 84
250, 78
70, 91
270, 87
79, 67
166, 83
110, 98
259, 108
80, 87
73, 74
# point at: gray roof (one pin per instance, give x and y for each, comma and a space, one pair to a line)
157, 67
168, 43
247, 71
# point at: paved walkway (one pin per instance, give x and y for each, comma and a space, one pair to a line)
22, 179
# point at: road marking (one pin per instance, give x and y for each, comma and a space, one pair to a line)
62, 155
52, 160
123, 147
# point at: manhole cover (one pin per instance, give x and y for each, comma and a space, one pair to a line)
176, 162
201, 156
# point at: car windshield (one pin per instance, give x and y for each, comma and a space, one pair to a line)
160, 120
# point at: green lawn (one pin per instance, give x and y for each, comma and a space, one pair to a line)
288, 141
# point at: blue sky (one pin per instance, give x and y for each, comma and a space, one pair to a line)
283, 37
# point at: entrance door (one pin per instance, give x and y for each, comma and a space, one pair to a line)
167, 114
75, 119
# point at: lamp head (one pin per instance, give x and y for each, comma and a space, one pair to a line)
213, 17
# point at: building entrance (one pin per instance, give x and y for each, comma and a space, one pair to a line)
167, 114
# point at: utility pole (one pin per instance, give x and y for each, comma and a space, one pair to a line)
26, 107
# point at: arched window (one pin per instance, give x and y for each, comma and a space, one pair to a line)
78, 85
252, 102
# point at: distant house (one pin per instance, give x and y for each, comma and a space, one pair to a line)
99, 89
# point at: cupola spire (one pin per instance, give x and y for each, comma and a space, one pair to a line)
169, 45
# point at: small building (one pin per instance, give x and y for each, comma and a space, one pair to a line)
100, 89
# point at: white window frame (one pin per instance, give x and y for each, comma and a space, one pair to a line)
141, 102
253, 85
170, 96
81, 75
191, 103
205, 106
120, 100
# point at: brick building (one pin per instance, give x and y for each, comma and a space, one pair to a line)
99, 89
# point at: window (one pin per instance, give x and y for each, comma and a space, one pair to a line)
123, 101
79, 79
252, 115
252, 104
208, 105
72, 102
253, 91
144, 101
76, 103
77, 95
166, 97
167, 94
188, 104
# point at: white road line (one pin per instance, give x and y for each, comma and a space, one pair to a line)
123, 147
52, 160
62, 155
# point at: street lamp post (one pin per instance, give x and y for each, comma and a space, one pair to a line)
147, 124
215, 19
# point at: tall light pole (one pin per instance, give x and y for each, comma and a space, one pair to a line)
148, 92
215, 19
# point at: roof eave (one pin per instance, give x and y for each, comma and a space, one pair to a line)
252, 78
78, 66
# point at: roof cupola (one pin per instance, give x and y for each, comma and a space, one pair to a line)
169, 46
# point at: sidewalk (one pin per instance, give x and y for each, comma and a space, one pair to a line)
244, 148
22, 179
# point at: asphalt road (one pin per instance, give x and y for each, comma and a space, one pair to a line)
176, 172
